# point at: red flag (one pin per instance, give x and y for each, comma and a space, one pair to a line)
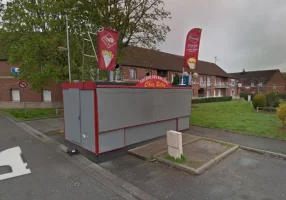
107, 49
192, 48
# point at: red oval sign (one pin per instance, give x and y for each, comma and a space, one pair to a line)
22, 84
154, 81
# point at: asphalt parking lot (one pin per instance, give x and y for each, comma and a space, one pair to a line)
242, 175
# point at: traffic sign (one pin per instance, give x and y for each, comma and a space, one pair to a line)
22, 84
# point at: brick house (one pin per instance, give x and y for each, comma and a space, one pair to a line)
260, 81
11, 96
212, 80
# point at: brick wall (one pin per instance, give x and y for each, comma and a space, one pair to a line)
140, 72
5, 68
278, 80
212, 85
7, 84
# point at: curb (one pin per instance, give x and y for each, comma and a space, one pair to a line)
260, 151
157, 154
203, 168
117, 185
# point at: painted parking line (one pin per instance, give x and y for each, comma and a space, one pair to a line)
12, 159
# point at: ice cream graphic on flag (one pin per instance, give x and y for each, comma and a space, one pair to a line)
107, 57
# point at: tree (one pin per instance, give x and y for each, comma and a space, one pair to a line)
176, 80
32, 31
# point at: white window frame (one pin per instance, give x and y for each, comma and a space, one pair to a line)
202, 79
133, 75
13, 97
208, 80
49, 99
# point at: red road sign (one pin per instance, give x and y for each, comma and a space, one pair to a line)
22, 84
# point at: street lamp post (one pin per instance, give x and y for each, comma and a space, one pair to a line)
68, 48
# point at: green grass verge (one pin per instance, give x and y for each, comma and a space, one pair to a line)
239, 116
31, 113
181, 160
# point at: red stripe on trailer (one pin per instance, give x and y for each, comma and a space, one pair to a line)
122, 86
143, 124
78, 85
89, 86
96, 123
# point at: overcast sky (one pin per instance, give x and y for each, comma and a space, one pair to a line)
248, 34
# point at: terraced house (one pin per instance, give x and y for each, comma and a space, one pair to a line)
138, 63
212, 80
260, 81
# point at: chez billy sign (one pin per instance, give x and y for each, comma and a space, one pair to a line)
154, 81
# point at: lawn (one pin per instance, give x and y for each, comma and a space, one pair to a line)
31, 113
238, 116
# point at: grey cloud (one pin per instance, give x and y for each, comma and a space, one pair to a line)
242, 33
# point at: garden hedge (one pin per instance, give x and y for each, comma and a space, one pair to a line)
211, 99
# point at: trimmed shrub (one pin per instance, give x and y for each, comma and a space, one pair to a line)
246, 96
272, 99
212, 99
259, 100
281, 114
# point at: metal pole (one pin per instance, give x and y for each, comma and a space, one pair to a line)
83, 75
182, 78
68, 47
25, 103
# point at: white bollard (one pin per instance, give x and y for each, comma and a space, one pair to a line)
175, 144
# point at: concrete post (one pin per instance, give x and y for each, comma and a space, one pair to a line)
174, 141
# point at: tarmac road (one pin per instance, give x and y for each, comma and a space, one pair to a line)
53, 177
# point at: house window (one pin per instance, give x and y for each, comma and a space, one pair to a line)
232, 82
15, 93
218, 81
208, 81
202, 79
47, 96
252, 84
260, 84
133, 74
